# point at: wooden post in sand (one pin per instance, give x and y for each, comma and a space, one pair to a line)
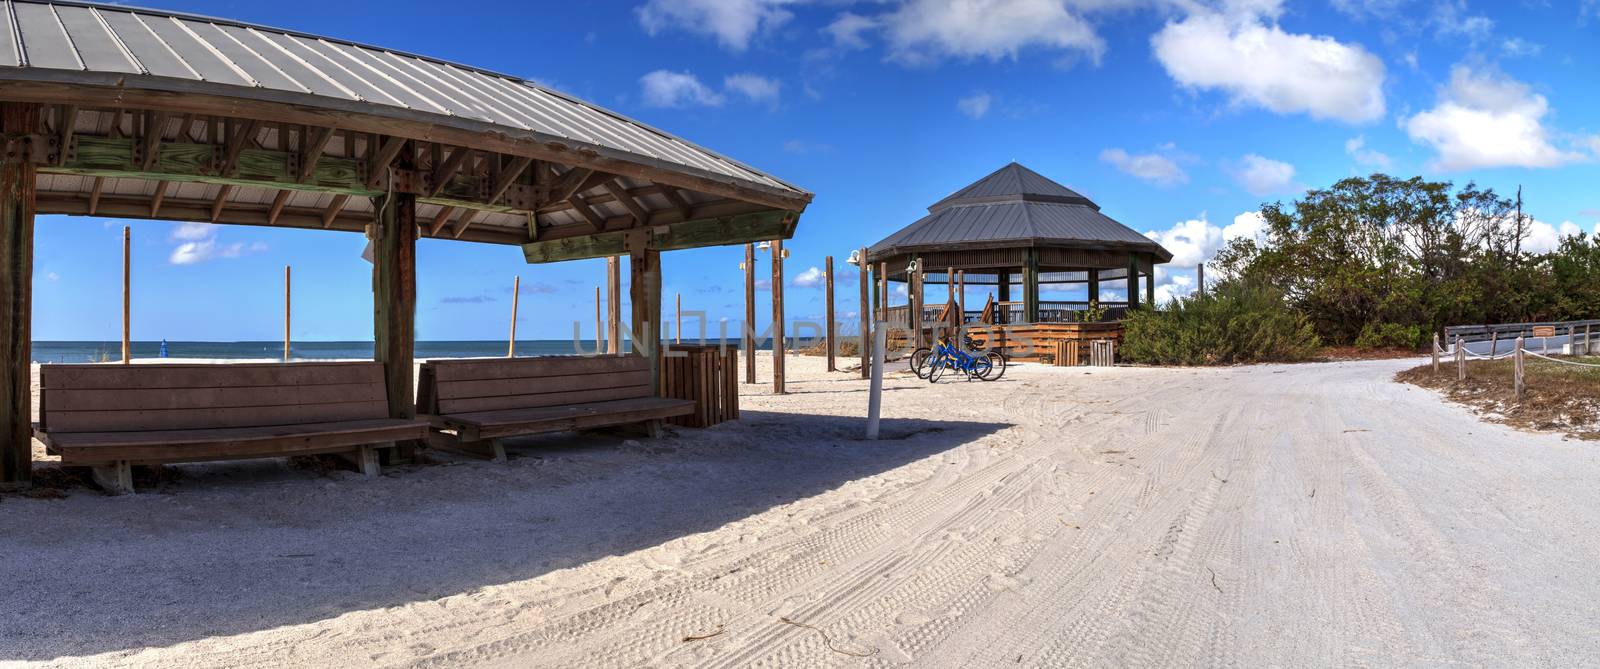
286, 311
1516, 371
1494, 344
127, 294
1586, 339
18, 185
1461, 360
614, 305
516, 293
677, 332
749, 313
832, 337
599, 331
779, 344
1435, 353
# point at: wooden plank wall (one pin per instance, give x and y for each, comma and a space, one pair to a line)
117, 398
454, 387
709, 375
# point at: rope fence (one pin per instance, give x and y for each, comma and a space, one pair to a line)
1518, 355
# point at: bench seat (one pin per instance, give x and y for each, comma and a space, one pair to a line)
563, 418
227, 443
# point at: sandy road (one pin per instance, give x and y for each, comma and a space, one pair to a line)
1275, 515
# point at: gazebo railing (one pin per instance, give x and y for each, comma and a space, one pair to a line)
1012, 312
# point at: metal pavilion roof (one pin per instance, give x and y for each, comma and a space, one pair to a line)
1015, 207
66, 41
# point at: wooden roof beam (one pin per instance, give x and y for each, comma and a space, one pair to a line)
277, 207
332, 212
220, 202
588, 213
155, 129
676, 200
463, 222
315, 144
569, 184
614, 187
508, 176
94, 194
236, 142
439, 220
381, 160
66, 124
447, 171
155, 201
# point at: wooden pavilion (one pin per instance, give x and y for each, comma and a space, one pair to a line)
1019, 233
134, 113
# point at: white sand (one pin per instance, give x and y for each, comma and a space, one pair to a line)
1278, 515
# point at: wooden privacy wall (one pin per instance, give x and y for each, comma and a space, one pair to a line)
452, 387
708, 375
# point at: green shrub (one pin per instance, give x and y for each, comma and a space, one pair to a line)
1232, 324
1390, 335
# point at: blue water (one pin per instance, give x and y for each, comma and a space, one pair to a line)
107, 351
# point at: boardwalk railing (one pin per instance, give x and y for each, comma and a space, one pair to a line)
1509, 331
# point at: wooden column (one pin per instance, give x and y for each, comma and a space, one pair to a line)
394, 293
1150, 287
1094, 287
1133, 282
287, 294
749, 313
599, 325
644, 273
1030, 287
18, 182
866, 315
778, 343
1002, 289
677, 314
832, 333
127, 297
614, 304
516, 296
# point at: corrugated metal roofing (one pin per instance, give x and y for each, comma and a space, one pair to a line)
99, 44
1015, 206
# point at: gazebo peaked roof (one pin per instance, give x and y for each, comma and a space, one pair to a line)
1015, 207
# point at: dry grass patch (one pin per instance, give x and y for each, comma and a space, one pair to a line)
1560, 398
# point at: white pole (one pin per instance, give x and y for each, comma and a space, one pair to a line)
875, 398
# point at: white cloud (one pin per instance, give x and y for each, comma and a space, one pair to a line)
1450, 20
1260, 175
664, 88
1361, 9
811, 278
1365, 157
924, 31
52, 276
199, 244
975, 105
1152, 167
1544, 237
1242, 52
1517, 47
754, 87
849, 29
1486, 119
1197, 240
731, 22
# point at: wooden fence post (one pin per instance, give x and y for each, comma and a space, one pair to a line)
127, 296
831, 334
1461, 361
749, 313
516, 294
1586, 340
1516, 367
614, 305
286, 312
599, 328
779, 344
1435, 353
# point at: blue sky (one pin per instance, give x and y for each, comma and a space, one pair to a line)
1178, 117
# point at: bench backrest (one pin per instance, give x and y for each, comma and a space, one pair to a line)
131, 398
448, 387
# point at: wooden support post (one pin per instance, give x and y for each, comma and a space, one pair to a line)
614, 304
516, 296
831, 332
961, 302
394, 294
1461, 361
1516, 371
1133, 282
287, 293
599, 329
1094, 288
1030, 287
1200, 278
866, 315
1149, 289
677, 313
1002, 289
127, 294
1586, 339
18, 183
1435, 353
749, 313
115, 478
644, 270
779, 344
1494, 344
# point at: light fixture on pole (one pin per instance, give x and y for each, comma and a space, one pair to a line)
855, 257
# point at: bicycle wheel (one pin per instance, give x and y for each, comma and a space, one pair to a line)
997, 366
919, 362
936, 367
981, 368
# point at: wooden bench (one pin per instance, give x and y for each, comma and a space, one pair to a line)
110, 417
480, 401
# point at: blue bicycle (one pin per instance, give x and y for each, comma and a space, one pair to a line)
945, 356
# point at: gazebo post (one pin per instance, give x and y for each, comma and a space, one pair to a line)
1030, 287
613, 305
644, 291
394, 293
1094, 286
1133, 282
780, 343
18, 182
1150, 287
1003, 291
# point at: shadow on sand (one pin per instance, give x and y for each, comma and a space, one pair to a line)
239, 547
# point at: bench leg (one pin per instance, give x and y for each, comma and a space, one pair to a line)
655, 429
116, 478
365, 458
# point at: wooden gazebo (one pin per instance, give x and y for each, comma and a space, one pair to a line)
1016, 231
134, 113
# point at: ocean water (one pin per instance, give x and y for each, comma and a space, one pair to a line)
107, 351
